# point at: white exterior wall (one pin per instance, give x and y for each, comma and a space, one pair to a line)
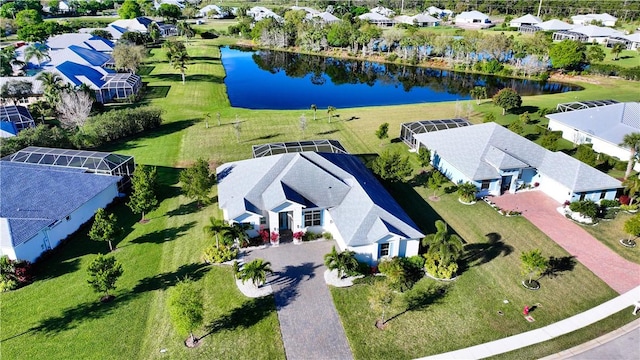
580, 137
51, 236
5, 240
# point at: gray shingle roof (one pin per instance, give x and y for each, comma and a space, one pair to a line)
610, 123
362, 210
35, 196
478, 152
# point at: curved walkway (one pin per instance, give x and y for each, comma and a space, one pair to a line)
309, 322
620, 274
545, 333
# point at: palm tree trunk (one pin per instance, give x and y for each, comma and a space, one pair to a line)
632, 157
183, 78
110, 246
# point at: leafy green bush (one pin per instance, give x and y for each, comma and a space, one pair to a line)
392, 57
216, 255
327, 235
309, 236
435, 268
41, 135
402, 273
492, 66
605, 203
587, 208
117, 124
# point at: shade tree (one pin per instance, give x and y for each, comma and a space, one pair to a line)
186, 309
104, 227
143, 195
197, 180
392, 166
507, 99
103, 273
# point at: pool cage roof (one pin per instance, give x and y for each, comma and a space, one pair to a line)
91, 161
327, 146
409, 129
19, 115
579, 105
121, 81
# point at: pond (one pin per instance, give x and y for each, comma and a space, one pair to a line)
267, 79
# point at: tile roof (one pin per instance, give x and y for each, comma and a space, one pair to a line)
480, 151
339, 183
35, 196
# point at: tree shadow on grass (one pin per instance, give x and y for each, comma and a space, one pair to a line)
184, 209
524, 109
557, 266
264, 137
328, 132
482, 253
248, 314
420, 299
164, 235
194, 271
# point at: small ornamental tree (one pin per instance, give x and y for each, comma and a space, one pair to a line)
436, 179
186, 309
331, 110
196, 181
380, 299
507, 99
383, 131
103, 273
344, 262
315, 110
104, 227
467, 192
424, 156
256, 271
478, 93
443, 252
533, 264
143, 196
392, 166
632, 227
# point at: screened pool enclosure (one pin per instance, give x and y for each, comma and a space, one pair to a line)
327, 146
579, 105
120, 86
19, 116
409, 129
90, 161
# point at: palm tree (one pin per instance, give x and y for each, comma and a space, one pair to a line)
179, 60
478, 92
314, 108
343, 261
632, 185
330, 111
8, 60
237, 232
467, 192
52, 84
631, 141
215, 227
617, 49
448, 247
256, 271
154, 32
38, 51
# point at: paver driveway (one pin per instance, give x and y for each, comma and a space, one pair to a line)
620, 274
310, 326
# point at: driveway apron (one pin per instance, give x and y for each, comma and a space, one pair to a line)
620, 274
309, 322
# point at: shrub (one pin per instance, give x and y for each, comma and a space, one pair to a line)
392, 57
401, 272
492, 66
117, 124
308, 236
14, 274
298, 235
610, 213
216, 255
605, 203
620, 165
435, 268
587, 208
327, 235
624, 199
627, 207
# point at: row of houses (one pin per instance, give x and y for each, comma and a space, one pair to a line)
316, 186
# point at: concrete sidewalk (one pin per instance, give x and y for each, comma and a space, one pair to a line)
548, 332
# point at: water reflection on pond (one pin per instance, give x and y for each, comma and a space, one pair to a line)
267, 79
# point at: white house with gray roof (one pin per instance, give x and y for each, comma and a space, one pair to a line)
604, 127
318, 192
588, 19
497, 160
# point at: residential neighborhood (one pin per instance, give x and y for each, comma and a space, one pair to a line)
319, 180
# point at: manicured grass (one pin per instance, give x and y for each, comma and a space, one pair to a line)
570, 340
59, 317
626, 59
610, 232
466, 314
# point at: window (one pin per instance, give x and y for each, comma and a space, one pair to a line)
582, 196
603, 194
384, 249
263, 220
313, 218
485, 184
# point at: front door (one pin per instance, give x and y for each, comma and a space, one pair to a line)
283, 220
506, 184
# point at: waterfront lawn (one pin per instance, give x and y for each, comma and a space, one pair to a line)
467, 313
58, 316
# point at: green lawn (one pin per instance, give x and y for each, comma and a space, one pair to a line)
626, 59
59, 317
466, 314
609, 232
